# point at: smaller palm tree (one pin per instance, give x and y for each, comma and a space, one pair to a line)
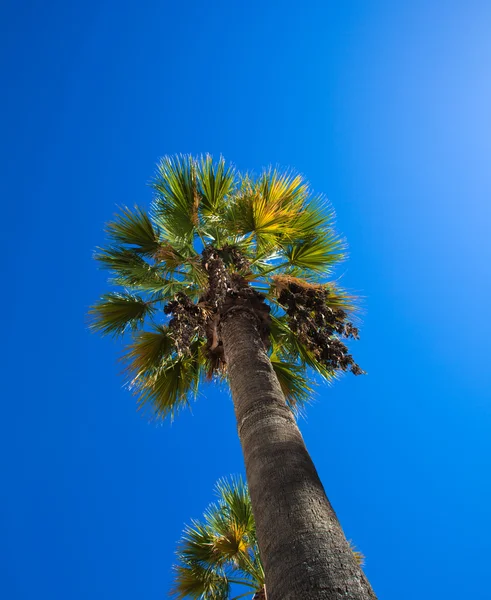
221, 550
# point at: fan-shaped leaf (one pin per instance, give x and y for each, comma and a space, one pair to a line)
117, 312
217, 181
149, 352
319, 254
177, 199
193, 580
132, 270
135, 229
168, 390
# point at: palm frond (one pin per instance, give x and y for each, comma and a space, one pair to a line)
278, 210
234, 496
316, 215
135, 229
149, 351
177, 197
169, 389
193, 580
318, 254
252, 213
198, 545
117, 312
130, 269
287, 189
294, 385
217, 181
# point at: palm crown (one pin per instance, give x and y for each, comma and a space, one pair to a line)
221, 549
212, 235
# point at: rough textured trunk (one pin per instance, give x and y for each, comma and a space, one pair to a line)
304, 551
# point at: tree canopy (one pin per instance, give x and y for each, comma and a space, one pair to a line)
210, 236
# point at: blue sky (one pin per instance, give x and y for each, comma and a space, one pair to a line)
384, 106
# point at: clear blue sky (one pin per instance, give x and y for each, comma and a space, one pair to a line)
385, 107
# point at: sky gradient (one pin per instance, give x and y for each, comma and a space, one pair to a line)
385, 108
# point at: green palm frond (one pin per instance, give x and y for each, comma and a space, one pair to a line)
132, 270
135, 229
294, 385
168, 390
233, 494
149, 351
117, 312
177, 200
216, 181
197, 544
318, 254
193, 580
316, 215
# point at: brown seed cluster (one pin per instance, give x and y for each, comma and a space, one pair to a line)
187, 322
319, 326
227, 289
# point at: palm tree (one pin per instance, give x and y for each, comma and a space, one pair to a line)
229, 273
221, 550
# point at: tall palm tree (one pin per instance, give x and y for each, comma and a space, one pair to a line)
221, 550
229, 273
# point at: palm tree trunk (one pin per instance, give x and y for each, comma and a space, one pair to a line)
303, 548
